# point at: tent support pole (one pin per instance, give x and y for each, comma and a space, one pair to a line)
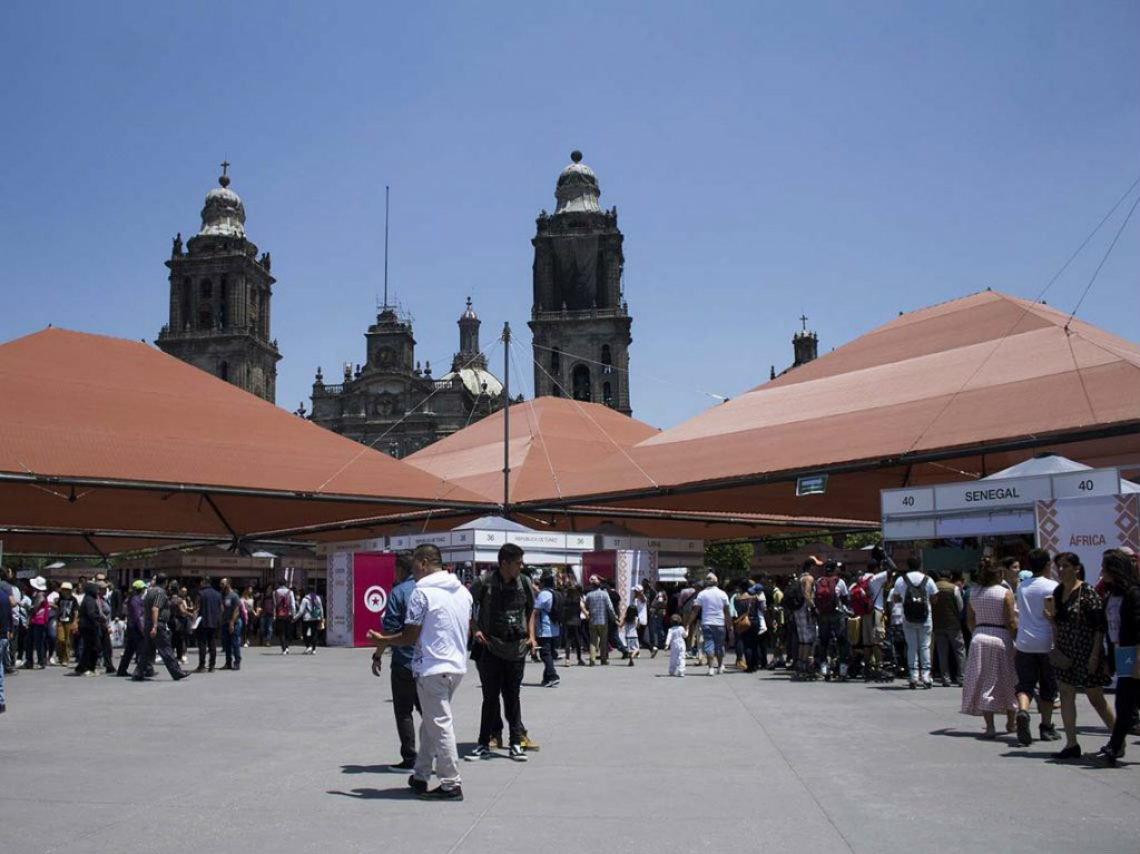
221, 518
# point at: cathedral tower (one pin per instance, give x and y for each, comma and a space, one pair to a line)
580, 320
220, 293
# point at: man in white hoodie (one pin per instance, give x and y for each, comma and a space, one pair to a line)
439, 611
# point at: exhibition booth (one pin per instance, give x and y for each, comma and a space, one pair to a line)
1062, 505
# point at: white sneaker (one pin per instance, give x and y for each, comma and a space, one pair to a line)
285, 652
712, 671
312, 652
720, 669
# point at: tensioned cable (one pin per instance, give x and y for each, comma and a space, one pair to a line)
1028, 307
371, 445
1088, 287
532, 417
1107, 252
582, 410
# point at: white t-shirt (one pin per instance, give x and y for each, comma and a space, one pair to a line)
915, 579
712, 601
875, 589
1034, 631
441, 606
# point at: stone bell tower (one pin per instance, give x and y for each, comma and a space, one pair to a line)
220, 293
580, 320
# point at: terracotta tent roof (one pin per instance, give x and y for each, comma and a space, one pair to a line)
143, 437
557, 447
943, 383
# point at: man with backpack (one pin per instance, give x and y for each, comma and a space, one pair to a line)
502, 623
209, 621
284, 608
914, 590
831, 599
548, 604
798, 602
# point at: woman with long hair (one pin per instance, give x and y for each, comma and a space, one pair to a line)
1077, 614
990, 679
1121, 578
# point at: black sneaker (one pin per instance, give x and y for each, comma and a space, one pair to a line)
1049, 733
455, 793
1023, 736
1073, 752
403, 765
418, 786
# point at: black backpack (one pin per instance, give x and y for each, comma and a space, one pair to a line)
557, 605
916, 601
794, 596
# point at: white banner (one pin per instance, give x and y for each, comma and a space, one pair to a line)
338, 624
1089, 526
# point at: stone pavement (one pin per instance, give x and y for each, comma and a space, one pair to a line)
290, 755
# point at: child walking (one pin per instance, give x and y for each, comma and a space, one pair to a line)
675, 643
629, 632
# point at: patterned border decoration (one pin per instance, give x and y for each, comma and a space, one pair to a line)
1047, 526
1128, 520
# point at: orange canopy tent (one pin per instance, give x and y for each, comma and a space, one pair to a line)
953, 391
108, 445
561, 447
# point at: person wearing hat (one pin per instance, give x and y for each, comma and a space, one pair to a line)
67, 614
156, 633
38, 615
601, 611
132, 643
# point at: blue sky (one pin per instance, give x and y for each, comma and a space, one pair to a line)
847, 161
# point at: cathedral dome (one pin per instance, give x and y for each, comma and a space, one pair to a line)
577, 190
474, 379
469, 312
223, 213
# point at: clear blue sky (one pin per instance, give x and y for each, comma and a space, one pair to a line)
843, 160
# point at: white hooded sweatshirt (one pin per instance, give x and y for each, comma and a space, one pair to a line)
441, 606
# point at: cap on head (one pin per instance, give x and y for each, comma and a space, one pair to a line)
138, 584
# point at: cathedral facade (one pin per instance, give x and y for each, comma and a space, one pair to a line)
220, 294
580, 319
396, 406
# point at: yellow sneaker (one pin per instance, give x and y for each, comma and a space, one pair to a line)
527, 744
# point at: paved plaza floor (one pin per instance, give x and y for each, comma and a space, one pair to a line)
290, 754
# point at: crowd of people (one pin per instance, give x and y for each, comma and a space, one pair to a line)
83, 625
1007, 638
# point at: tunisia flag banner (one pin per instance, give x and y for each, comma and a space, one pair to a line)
1088, 527
373, 576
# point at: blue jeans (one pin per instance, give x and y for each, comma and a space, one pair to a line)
232, 642
3, 663
917, 650
713, 641
656, 631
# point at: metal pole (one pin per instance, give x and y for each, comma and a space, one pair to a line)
507, 420
385, 246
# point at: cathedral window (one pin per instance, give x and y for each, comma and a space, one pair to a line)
582, 383
206, 289
187, 290
607, 360
607, 395
224, 371
205, 318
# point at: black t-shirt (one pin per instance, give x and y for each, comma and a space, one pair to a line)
5, 608
156, 598
230, 602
